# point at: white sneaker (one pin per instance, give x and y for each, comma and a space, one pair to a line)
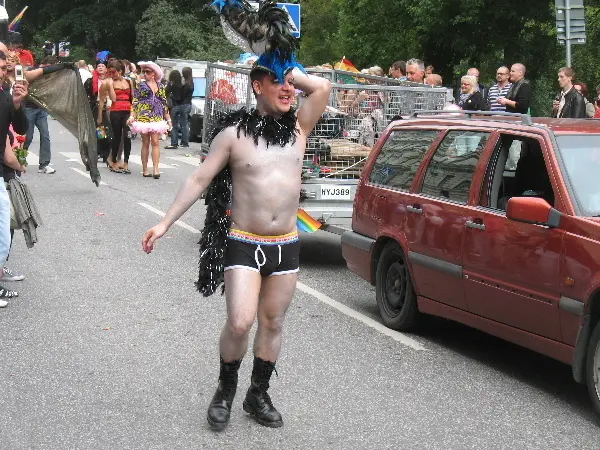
9, 275
47, 170
3, 303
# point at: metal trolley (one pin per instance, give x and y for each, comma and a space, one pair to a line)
360, 107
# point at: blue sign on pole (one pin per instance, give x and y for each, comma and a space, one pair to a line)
293, 10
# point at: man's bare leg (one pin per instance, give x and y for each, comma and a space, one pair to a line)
275, 298
242, 287
145, 152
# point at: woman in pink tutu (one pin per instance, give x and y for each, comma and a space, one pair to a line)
149, 114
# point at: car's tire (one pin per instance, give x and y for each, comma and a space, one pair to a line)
592, 370
395, 294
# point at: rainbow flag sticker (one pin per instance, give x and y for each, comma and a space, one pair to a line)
306, 223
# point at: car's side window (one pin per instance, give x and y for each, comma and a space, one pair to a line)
451, 169
516, 169
400, 157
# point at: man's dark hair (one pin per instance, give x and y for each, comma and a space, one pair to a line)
401, 66
568, 71
257, 74
49, 60
2, 55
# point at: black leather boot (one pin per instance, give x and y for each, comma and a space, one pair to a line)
258, 403
219, 409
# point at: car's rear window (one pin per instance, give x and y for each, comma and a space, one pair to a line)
400, 157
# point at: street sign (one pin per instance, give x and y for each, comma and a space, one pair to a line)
562, 4
570, 21
570, 24
293, 10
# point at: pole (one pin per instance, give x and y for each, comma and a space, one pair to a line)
568, 30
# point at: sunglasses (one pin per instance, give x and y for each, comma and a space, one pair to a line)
147, 71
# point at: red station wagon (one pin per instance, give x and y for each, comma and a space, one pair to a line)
490, 220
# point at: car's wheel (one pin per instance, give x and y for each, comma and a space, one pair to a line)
593, 368
396, 297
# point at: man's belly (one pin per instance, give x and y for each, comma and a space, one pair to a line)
266, 217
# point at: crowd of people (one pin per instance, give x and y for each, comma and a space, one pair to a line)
126, 99
512, 92
129, 100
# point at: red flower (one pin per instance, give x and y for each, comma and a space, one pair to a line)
20, 139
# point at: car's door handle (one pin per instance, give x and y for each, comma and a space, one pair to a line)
414, 209
475, 225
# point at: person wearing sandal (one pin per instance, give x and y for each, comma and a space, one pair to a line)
120, 92
149, 114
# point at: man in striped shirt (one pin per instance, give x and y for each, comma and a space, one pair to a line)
500, 89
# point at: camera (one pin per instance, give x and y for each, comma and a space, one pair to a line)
19, 76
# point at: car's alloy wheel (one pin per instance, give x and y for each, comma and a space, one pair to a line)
396, 297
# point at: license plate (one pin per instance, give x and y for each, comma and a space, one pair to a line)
336, 192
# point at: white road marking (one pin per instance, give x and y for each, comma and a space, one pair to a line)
395, 335
33, 159
73, 157
135, 159
85, 174
179, 223
191, 160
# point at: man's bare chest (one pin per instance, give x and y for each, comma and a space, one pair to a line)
246, 156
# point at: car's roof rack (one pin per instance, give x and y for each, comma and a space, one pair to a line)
525, 118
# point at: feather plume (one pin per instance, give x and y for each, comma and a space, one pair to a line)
259, 32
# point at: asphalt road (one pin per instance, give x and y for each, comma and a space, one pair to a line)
107, 347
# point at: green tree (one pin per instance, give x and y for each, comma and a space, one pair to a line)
319, 29
165, 31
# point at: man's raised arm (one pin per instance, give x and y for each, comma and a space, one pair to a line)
193, 187
317, 90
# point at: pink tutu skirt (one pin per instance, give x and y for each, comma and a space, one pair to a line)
149, 127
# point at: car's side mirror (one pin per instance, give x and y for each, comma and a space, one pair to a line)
532, 210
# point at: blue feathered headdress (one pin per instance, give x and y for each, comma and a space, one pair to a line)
272, 63
102, 57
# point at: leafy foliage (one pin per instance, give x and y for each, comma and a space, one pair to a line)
131, 29
453, 35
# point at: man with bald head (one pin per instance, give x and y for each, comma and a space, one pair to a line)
433, 80
518, 98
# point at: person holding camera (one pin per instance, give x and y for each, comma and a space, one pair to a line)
11, 113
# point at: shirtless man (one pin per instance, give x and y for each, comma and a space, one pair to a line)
261, 260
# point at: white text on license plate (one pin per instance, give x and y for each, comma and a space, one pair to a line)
335, 192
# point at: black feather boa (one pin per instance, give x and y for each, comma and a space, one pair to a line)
213, 241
